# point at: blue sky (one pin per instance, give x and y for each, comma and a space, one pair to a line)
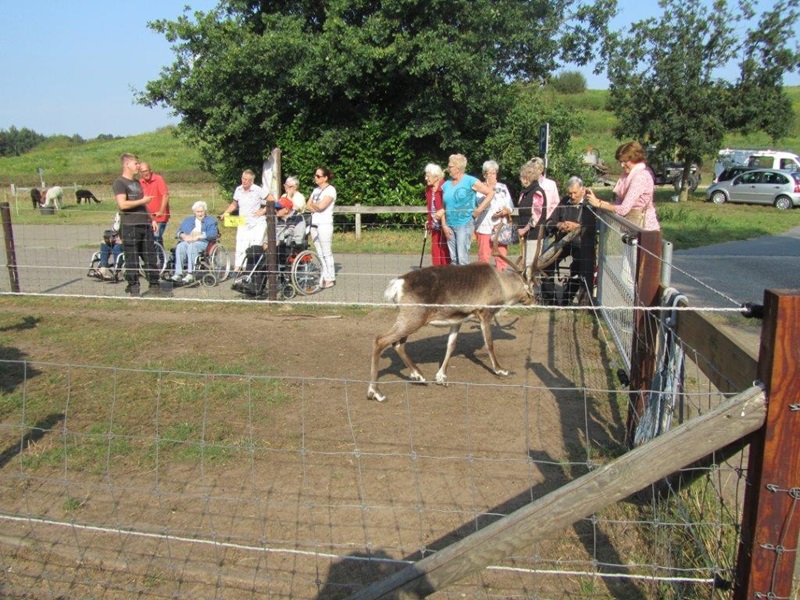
71, 67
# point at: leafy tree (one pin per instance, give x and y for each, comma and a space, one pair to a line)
664, 87
372, 89
569, 82
15, 142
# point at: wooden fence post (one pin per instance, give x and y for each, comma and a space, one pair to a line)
771, 515
11, 253
643, 359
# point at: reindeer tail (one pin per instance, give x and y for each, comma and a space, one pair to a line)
394, 291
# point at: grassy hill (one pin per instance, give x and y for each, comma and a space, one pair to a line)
97, 162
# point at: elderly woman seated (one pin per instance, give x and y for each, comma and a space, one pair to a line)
195, 233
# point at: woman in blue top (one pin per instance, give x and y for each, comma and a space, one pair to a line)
460, 208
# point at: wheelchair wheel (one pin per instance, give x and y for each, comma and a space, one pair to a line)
119, 268
94, 266
219, 263
306, 273
287, 290
161, 262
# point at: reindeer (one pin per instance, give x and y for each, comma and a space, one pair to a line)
446, 295
449, 295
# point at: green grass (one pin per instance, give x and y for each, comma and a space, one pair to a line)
97, 162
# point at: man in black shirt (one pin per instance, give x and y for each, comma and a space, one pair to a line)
136, 229
574, 213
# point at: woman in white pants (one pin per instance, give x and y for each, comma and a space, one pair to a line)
321, 204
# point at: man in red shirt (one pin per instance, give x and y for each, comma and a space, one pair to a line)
154, 185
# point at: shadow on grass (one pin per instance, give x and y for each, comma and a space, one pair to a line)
36, 433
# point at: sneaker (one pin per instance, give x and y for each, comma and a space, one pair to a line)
177, 278
133, 290
327, 284
189, 278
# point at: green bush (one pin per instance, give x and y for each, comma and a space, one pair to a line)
569, 82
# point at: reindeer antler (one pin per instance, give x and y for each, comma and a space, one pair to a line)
519, 268
553, 253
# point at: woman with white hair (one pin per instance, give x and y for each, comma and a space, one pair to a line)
194, 233
434, 179
291, 191
497, 213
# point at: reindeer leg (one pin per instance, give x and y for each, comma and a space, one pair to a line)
486, 329
396, 337
441, 374
379, 345
400, 348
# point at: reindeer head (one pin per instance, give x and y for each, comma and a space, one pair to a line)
517, 268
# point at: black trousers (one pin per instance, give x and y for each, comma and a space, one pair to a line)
581, 274
138, 246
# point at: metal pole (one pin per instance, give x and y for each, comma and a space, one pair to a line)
424, 241
11, 253
666, 264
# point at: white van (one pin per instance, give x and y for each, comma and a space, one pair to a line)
772, 159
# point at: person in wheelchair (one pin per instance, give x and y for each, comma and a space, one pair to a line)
111, 245
290, 231
290, 235
195, 233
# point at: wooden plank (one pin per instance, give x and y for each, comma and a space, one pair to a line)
701, 336
771, 519
645, 327
695, 439
377, 210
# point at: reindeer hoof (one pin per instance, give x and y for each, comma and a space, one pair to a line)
441, 380
375, 395
415, 376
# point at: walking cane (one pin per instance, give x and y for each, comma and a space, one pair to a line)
424, 241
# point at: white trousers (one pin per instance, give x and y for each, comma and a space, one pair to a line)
322, 236
246, 237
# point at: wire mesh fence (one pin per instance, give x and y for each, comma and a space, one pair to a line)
185, 479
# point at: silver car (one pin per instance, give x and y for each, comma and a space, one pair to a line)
759, 186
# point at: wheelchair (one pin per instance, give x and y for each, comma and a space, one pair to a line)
299, 268
212, 265
116, 268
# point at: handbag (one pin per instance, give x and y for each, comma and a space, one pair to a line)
636, 217
507, 235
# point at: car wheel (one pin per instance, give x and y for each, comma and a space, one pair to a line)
718, 198
783, 203
694, 181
